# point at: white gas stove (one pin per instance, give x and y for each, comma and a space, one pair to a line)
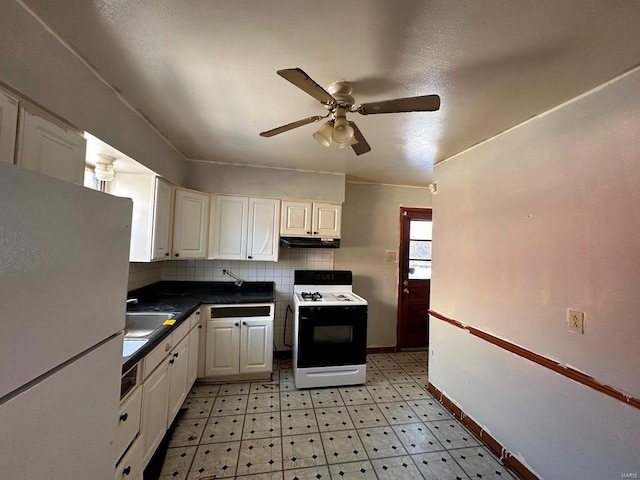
330, 330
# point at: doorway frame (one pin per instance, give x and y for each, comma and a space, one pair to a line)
402, 260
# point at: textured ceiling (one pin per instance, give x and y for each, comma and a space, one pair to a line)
204, 72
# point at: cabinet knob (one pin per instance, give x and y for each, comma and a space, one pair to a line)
124, 416
172, 361
176, 255
244, 323
166, 254
176, 355
308, 233
198, 312
315, 233
249, 257
127, 470
237, 324
200, 327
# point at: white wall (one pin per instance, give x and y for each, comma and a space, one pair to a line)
265, 182
370, 227
540, 219
36, 65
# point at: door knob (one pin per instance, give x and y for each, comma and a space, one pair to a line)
406, 290
405, 283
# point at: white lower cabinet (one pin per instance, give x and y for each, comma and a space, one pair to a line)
194, 347
155, 406
241, 344
178, 376
128, 421
169, 371
131, 466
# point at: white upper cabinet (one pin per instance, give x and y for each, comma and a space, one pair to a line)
190, 224
8, 125
151, 225
162, 220
48, 147
301, 219
244, 228
296, 218
326, 220
229, 225
263, 238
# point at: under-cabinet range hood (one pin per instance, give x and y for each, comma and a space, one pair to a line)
309, 242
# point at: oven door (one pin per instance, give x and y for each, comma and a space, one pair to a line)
332, 336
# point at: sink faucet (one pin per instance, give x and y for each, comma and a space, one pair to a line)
238, 280
132, 300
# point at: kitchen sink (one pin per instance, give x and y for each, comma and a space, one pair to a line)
131, 346
143, 324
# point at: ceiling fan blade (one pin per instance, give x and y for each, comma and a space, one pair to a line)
362, 146
304, 82
424, 103
290, 126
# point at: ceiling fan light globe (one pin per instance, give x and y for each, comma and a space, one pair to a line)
342, 131
323, 135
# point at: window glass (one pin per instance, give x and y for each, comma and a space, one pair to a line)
90, 180
420, 230
420, 249
419, 270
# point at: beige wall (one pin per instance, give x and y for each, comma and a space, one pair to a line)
540, 219
370, 227
265, 182
36, 65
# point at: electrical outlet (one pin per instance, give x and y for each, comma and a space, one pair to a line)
392, 255
575, 320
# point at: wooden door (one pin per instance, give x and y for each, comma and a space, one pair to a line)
415, 277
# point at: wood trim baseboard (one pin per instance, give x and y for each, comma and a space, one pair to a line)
496, 447
371, 350
564, 370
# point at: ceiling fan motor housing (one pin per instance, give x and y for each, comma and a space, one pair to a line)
341, 91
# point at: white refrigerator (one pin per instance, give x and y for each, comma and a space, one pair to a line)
64, 253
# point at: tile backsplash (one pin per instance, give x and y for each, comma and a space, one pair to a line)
143, 274
280, 272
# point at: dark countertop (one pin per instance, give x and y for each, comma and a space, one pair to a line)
183, 298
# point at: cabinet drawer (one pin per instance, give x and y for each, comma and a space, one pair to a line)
156, 356
130, 468
128, 421
194, 319
180, 332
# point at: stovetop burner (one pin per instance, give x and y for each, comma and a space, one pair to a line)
311, 296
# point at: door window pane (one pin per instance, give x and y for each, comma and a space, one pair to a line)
419, 270
420, 229
419, 250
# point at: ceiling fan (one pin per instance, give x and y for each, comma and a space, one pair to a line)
339, 102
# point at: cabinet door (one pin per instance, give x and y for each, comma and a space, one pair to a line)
229, 228
256, 345
194, 344
162, 220
296, 218
263, 235
49, 148
326, 220
190, 226
155, 405
178, 373
130, 468
223, 347
8, 125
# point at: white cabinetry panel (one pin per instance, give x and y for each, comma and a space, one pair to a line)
8, 125
256, 346
264, 218
315, 219
50, 148
296, 218
155, 405
190, 224
229, 227
223, 347
326, 220
162, 220
178, 372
